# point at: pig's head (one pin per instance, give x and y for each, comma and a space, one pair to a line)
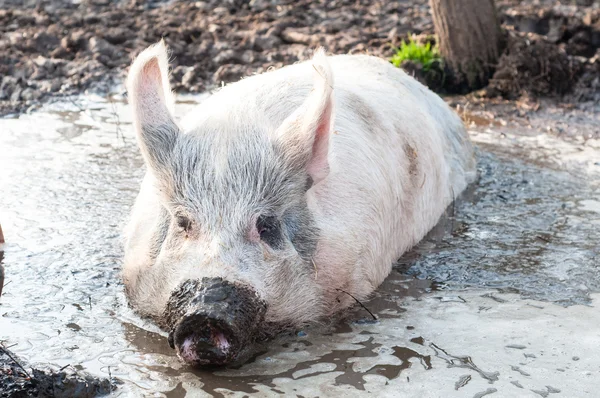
220, 245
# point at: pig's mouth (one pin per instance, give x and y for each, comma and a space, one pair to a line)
212, 322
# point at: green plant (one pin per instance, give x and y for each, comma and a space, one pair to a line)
425, 54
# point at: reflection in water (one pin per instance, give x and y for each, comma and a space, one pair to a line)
529, 226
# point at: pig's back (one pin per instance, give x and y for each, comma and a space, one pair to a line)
365, 87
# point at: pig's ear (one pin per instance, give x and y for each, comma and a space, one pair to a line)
304, 134
152, 104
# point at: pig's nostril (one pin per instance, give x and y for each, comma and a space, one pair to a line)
171, 338
220, 341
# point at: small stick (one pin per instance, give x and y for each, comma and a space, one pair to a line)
361, 304
90, 300
64, 367
110, 379
14, 360
453, 210
1, 235
315, 266
1, 275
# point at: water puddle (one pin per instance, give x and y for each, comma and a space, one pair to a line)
500, 296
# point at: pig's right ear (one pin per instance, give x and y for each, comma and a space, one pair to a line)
304, 135
152, 102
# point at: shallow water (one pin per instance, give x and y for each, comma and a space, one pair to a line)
498, 299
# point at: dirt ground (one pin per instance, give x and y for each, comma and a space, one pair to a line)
62, 47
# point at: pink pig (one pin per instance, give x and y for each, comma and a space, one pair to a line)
279, 192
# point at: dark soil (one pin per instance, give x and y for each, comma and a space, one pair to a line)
551, 51
56, 47
17, 381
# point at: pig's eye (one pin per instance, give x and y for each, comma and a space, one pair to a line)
184, 223
269, 231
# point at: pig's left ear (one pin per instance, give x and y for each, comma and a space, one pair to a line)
152, 102
304, 134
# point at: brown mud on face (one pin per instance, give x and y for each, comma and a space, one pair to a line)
213, 322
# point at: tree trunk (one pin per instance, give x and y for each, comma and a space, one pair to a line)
470, 40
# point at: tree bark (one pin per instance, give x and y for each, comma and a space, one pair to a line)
470, 40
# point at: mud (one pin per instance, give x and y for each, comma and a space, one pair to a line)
55, 48
532, 65
552, 49
17, 380
502, 294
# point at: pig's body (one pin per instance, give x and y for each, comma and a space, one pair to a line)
395, 158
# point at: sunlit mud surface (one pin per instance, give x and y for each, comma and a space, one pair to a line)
499, 299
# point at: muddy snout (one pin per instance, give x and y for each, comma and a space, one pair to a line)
213, 321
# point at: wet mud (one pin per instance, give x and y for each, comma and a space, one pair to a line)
17, 380
502, 295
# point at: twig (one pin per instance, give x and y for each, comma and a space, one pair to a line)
110, 379
64, 367
72, 101
358, 301
1, 275
315, 266
14, 360
117, 120
90, 300
453, 210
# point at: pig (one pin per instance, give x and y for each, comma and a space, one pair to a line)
281, 197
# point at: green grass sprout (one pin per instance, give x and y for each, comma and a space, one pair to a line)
425, 54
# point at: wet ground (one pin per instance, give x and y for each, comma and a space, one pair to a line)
501, 298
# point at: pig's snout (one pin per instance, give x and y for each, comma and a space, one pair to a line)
200, 339
213, 321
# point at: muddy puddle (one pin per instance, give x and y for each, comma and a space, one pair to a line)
500, 299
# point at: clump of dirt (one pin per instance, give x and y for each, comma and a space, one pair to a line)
576, 29
16, 381
531, 65
552, 50
433, 77
587, 88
